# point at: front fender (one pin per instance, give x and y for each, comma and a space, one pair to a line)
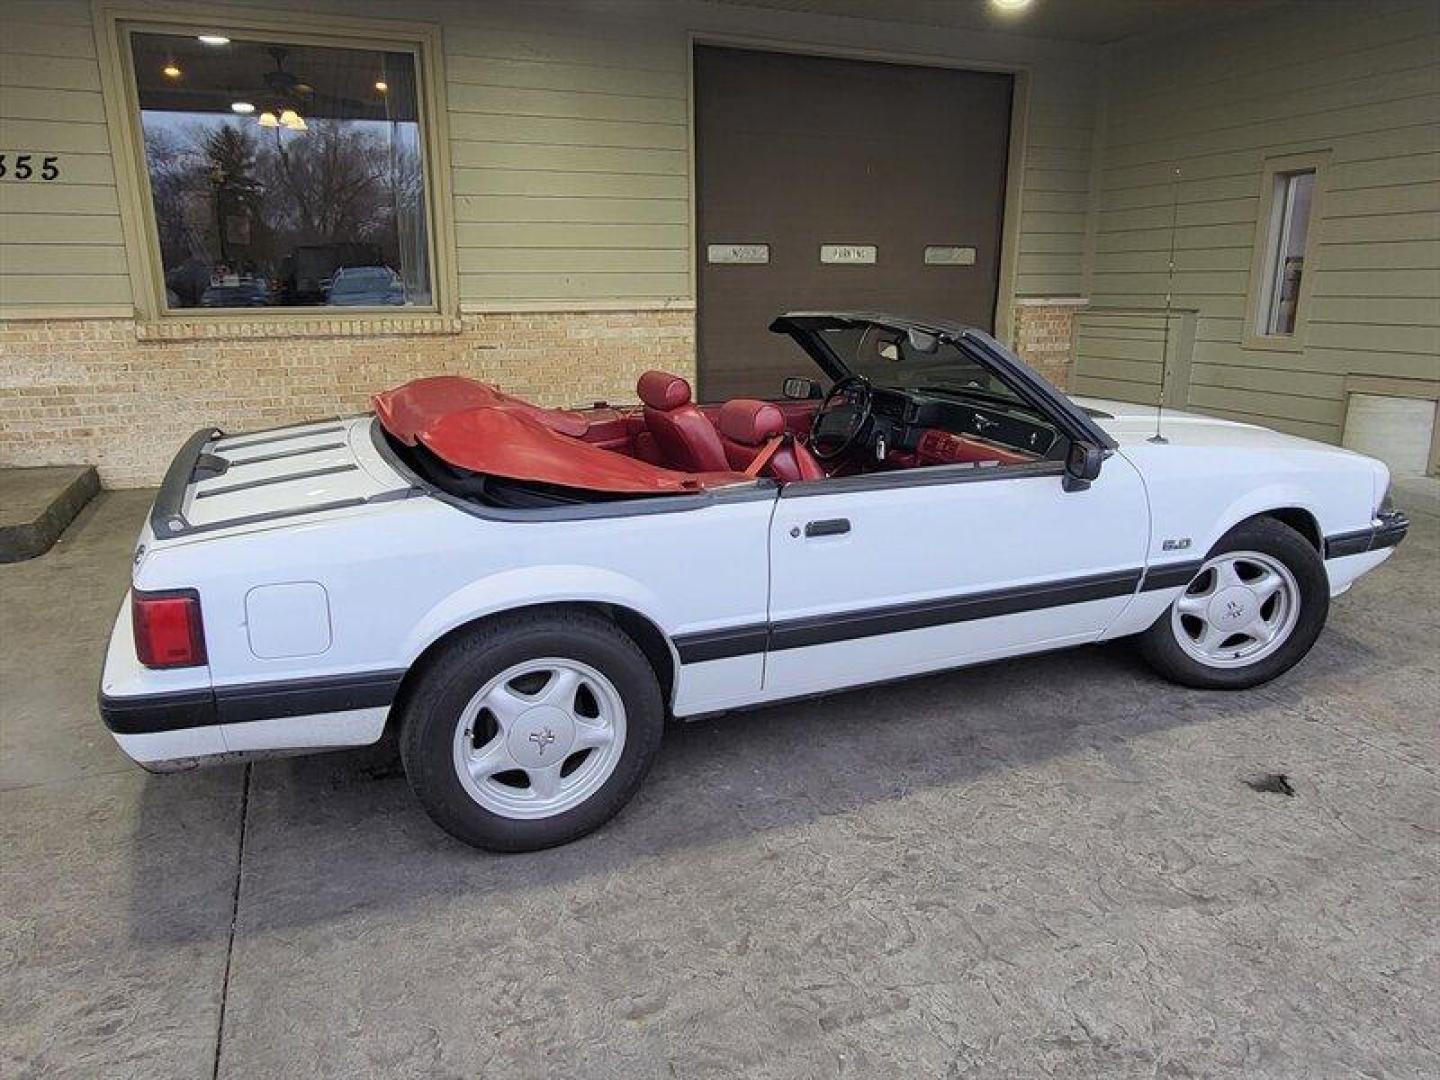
528, 587
1262, 500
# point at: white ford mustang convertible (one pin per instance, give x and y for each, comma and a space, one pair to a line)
524, 594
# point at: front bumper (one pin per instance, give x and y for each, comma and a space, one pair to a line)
1386, 531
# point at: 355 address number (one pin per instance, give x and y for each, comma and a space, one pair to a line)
29, 167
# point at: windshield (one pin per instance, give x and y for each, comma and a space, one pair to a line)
362, 280
890, 358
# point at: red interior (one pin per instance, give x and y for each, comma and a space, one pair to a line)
747, 429
937, 447
668, 443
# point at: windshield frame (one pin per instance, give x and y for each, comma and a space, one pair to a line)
807, 329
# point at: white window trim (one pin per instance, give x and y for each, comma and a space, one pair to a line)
113, 24
1263, 268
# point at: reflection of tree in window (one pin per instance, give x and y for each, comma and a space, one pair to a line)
250, 211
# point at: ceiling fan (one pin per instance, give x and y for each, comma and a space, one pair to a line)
285, 94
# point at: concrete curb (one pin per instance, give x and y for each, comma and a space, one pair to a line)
72, 488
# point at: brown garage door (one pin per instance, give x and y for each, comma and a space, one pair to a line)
800, 152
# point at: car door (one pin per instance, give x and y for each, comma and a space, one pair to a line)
877, 577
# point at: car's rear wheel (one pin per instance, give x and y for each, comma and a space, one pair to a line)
531, 730
1252, 611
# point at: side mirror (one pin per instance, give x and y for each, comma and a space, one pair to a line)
796, 388
1082, 465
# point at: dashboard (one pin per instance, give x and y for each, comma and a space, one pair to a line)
913, 421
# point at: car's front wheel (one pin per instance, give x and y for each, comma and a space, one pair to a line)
531, 730
1252, 611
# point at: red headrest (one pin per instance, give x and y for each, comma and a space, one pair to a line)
661, 390
750, 422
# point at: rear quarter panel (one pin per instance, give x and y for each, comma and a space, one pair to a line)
398, 576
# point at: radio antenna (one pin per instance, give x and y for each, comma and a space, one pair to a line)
1169, 297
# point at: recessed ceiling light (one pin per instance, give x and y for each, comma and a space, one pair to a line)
170, 71
382, 86
1010, 7
213, 39
244, 108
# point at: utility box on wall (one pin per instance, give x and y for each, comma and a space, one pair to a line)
1400, 431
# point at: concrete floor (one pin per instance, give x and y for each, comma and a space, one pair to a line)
1051, 867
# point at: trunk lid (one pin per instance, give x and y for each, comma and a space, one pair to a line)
222, 481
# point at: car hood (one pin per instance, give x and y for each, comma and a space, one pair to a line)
1131, 425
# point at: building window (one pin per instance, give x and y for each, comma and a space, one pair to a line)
1283, 265
1290, 205
283, 174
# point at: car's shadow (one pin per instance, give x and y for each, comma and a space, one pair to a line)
332, 833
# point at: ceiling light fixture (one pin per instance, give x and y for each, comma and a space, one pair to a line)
289, 118
382, 86
170, 71
213, 39
267, 120
1010, 7
244, 108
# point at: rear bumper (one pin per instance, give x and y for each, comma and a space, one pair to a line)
155, 716
175, 718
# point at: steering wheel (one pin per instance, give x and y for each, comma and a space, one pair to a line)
842, 418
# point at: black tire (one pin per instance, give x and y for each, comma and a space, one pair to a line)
461, 669
1269, 537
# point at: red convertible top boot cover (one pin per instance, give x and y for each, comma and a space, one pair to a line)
474, 426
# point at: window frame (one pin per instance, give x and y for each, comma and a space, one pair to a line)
114, 26
1263, 268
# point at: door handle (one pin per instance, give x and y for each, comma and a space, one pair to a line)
828, 527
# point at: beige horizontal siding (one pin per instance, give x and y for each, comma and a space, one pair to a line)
77, 290
581, 122
1120, 354
61, 244
1358, 82
44, 229
569, 142
84, 259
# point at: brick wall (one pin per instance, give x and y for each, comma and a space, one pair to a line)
96, 391
1045, 338
122, 396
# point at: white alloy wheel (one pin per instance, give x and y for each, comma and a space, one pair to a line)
1240, 608
539, 738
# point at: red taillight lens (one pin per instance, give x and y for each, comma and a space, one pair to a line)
168, 630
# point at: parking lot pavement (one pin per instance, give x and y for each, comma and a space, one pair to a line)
1057, 866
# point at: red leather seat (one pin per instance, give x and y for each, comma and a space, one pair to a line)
683, 437
747, 426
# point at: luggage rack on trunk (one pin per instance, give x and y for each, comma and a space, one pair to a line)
196, 461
